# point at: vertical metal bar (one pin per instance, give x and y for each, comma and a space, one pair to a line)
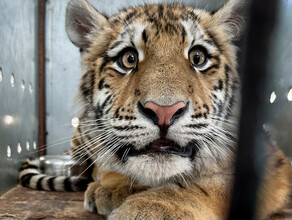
252, 140
41, 78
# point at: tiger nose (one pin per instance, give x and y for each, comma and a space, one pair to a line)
166, 114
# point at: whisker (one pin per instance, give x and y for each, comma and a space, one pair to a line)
49, 146
125, 153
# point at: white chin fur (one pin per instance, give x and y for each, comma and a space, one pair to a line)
156, 170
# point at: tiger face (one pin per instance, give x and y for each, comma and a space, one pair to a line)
159, 88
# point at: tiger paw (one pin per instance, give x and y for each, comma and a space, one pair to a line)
103, 200
98, 199
141, 208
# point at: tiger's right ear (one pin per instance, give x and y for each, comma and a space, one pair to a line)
82, 19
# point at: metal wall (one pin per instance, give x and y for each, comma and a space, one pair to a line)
63, 66
18, 115
62, 76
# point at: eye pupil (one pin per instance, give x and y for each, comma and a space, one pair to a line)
131, 58
128, 60
197, 58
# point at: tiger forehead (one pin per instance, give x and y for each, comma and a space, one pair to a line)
160, 16
159, 25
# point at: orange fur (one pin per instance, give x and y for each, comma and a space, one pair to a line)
164, 186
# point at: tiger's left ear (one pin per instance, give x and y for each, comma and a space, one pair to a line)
82, 20
231, 15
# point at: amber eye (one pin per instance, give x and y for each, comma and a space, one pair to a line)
197, 57
128, 60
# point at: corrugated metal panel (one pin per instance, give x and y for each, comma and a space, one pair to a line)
62, 76
18, 119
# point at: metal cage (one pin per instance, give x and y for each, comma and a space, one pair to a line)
39, 73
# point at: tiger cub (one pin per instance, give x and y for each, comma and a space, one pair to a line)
159, 95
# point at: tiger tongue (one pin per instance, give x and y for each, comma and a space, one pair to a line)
160, 144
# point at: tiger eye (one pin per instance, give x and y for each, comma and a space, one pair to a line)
129, 60
197, 57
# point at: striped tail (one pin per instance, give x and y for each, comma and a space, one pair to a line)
30, 176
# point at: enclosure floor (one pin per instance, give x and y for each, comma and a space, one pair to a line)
27, 204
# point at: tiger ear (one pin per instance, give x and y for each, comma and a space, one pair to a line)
82, 19
231, 15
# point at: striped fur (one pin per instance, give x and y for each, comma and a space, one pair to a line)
162, 36
192, 179
31, 176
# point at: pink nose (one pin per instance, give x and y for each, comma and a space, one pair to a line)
164, 113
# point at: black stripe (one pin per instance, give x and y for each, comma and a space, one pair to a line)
105, 61
122, 128
280, 162
26, 179
115, 21
39, 183
88, 81
107, 111
144, 36
227, 95
207, 108
214, 96
213, 12
188, 15
98, 111
220, 108
130, 15
100, 84
202, 190
92, 80
227, 69
105, 102
119, 73
193, 133
199, 115
51, 183
171, 16
28, 166
160, 10
81, 50
213, 38
67, 185
219, 85
232, 99
183, 34
197, 126
116, 44
81, 183
146, 10
215, 109
215, 66
217, 58
79, 130
117, 112
170, 28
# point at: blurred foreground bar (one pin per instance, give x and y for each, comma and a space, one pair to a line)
252, 139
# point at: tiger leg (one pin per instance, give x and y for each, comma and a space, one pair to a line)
195, 202
276, 186
110, 193
209, 197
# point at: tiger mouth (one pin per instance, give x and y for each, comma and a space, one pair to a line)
159, 146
